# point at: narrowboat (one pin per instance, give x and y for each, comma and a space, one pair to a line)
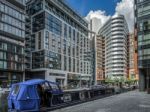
32, 95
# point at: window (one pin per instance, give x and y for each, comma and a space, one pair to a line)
140, 1
1, 55
47, 40
1, 26
16, 57
65, 63
6, 8
2, 7
5, 27
74, 35
39, 43
146, 25
45, 86
65, 31
53, 24
5, 46
1, 64
1, 45
23, 17
4, 56
15, 90
69, 32
5, 65
54, 86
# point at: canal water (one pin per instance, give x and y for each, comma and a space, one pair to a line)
3, 103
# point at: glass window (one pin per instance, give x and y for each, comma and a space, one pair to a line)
19, 32
23, 17
1, 26
5, 27
2, 7
6, 8
22, 51
65, 31
69, 32
17, 14
1, 64
140, 0
16, 57
23, 26
10, 29
5, 65
10, 11
45, 86
1, 45
1, 55
53, 24
4, 56
15, 90
16, 31
39, 39
5, 46
3, 17
47, 37
23, 34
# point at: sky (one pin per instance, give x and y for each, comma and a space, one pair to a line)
104, 9
84, 6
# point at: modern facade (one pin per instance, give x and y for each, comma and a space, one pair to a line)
133, 68
115, 32
142, 31
12, 34
99, 59
57, 44
95, 24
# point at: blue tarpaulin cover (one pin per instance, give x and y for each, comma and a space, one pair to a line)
24, 96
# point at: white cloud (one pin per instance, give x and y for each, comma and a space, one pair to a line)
99, 18
125, 7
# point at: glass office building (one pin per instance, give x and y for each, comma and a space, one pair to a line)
12, 33
142, 31
57, 43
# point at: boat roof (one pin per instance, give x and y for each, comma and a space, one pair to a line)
34, 82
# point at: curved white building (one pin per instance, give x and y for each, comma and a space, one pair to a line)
115, 31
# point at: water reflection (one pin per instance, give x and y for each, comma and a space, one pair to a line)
3, 102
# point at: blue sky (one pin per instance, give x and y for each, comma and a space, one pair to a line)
84, 6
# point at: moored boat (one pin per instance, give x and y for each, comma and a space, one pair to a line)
32, 95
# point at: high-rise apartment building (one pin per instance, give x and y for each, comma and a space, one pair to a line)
142, 31
99, 59
57, 43
12, 34
115, 32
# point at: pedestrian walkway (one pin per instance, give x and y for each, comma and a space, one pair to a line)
133, 101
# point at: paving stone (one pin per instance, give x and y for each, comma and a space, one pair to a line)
133, 101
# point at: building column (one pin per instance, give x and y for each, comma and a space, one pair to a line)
147, 79
66, 80
23, 77
9, 78
141, 80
